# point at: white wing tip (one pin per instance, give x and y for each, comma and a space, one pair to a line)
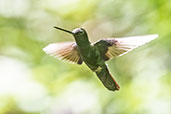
45, 49
49, 48
154, 36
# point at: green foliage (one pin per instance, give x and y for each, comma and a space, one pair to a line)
32, 82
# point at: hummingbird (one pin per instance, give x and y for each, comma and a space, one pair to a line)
94, 55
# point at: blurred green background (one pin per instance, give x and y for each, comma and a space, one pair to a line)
32, 82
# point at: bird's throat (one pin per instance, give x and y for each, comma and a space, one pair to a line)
82, 42
84, 47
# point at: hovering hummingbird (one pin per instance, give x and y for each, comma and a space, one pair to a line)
95, 54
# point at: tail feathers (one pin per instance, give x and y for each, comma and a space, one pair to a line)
107, 80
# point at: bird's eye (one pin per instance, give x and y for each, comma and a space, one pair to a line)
81, 32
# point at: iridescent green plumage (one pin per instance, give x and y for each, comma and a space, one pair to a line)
93, 58
94, 55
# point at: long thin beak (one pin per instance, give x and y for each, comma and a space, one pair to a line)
63, 30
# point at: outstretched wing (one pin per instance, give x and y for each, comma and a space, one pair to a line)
65, 51
113, 47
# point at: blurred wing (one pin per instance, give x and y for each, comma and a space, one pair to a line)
65, 51
113, 47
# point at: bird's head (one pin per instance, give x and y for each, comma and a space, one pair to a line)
78, 32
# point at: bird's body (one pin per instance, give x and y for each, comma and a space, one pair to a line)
95, 54
89, 54
92, 57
